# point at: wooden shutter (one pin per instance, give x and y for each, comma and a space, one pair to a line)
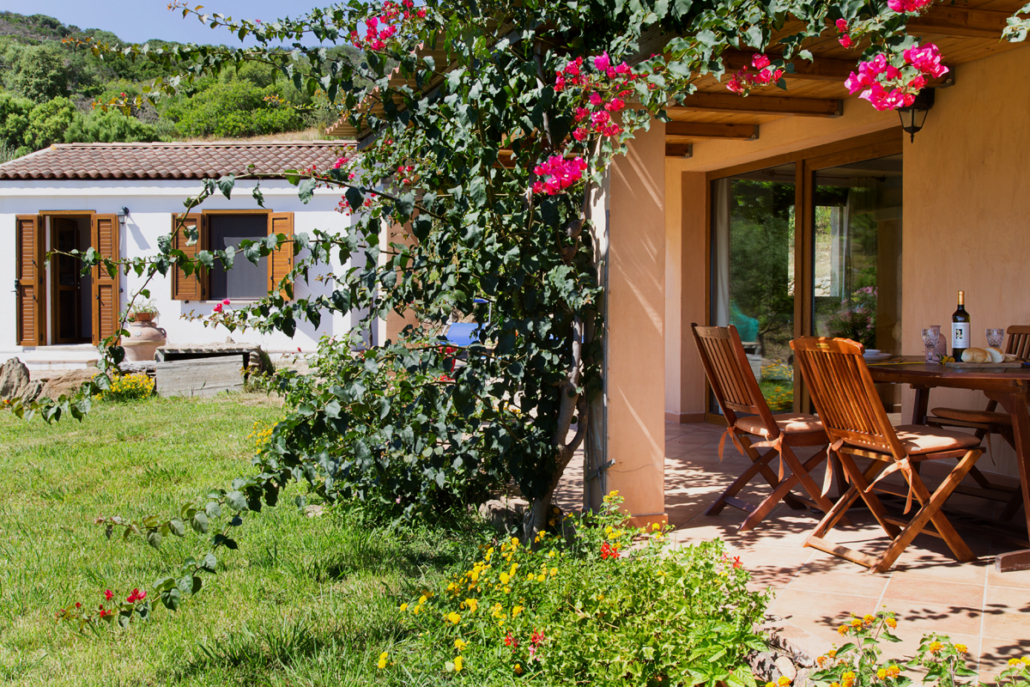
280, 262
107, 299
28, 282
197, 286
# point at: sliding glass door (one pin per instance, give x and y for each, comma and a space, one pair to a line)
810, 246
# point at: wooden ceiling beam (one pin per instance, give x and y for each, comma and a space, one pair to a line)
680, 130
759, 104
959, 21
679, 150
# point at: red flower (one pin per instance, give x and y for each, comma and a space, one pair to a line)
537, 638
511, 641
136, 595
608, 551
218, 307
108, 594
78, 605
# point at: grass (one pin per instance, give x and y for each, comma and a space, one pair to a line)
304, 601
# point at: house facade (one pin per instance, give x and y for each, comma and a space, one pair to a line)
122, 199
806, 211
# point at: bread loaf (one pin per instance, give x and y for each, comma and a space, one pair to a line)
976, 355
996, 355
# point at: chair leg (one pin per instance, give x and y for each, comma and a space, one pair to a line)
929, 512
781, 491
836, 514
871, 499
759, 462
769, 475
802, 473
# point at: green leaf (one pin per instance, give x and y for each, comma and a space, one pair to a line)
210, 563
199, 523
306, 190
236, 500
154, 538
171, 598
177, 527
225, 185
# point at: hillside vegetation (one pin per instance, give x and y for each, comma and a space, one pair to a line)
48, 90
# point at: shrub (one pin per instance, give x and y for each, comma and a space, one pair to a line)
128, 388
597, 610
40, 74
14, 119
48, 122
233, 109
109, 127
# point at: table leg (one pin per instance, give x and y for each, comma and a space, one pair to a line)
1016, 405
919, 408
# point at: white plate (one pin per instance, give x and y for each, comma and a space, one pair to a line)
877, 357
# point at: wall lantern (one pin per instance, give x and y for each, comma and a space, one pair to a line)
914, 116
123, 212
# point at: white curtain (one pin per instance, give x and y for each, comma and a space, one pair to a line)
722, 198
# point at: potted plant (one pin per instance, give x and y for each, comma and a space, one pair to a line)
142, 312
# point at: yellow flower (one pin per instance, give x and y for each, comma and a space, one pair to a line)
821, 660
770, 684
843, 629
608, 530
541, 577
382, 660
454, 617
891, 623
868, 619
848, 679
961, 648
518, 669
472, 605
551, 554
656, 526
832, 653
783, 681
935, 646
1015, 662
554, 571
856, 622
495, 611
458, 664
834, 684
514, 543
404, 607
422, 599
515, 611
505, 577
881, 673
893, 670
460, 644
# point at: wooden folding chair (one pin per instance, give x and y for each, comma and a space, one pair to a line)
988, 422
736, 390
857, 425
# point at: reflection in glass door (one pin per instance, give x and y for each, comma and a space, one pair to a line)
753, 272
857, 256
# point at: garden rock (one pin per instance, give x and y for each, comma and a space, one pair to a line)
14, 379
504, 515
68, 383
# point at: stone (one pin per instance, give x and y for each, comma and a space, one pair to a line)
786, 667
14, 377
31, 391
504, 515
199, 377
68, 383
314, 511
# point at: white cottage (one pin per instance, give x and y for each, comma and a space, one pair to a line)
120, 198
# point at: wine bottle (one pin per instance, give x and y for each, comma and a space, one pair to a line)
960, 328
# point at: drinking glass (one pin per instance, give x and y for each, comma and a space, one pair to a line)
930, 338
995, 337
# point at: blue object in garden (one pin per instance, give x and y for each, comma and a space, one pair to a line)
746, 326
460, 334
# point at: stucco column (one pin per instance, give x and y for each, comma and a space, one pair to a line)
636, 327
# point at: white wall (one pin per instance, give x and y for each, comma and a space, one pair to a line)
151, 204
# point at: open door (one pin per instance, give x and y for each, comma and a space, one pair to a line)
106, 288
28, 280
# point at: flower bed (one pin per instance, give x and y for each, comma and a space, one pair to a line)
611, 605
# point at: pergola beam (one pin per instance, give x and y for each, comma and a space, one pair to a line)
681, 130
759, 104
959, 21
679, 150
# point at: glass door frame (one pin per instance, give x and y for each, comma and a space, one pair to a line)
807, 162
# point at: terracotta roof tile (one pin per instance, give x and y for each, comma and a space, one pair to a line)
168, 160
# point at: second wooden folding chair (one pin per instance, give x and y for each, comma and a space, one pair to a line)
736, 390
857, 425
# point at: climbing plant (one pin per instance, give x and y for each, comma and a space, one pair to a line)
488, 129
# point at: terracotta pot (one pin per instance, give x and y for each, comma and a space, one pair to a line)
143, 340
142, 317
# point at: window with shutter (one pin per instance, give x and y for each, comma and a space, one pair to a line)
107, 299
280, 263
29, 280
196, 286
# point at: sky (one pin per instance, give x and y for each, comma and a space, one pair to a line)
137, 21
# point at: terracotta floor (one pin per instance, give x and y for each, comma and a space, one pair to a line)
815, 592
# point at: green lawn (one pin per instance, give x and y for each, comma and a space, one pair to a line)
303, 601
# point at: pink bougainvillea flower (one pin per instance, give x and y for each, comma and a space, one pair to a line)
615, 105
108, 594
340, 162
217, 308
580, 134
558, 174
595, 99
845, 41
926, 59
559, 83
602, 62
622, 68
572, 67
760, 61
600, 117
136, 595
581, 114
842, 25
225, 302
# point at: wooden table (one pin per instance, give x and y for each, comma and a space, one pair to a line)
1009, 387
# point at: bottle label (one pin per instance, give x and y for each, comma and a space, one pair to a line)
960, 335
